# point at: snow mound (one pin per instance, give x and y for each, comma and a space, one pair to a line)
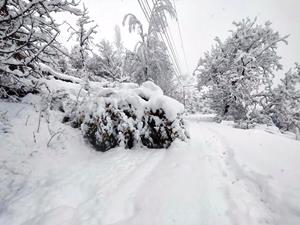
127, 115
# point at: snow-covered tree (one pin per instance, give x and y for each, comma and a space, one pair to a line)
61, 61
83, 32
78, 58
239, 70
149, 60
284, 106
28, 35
118, 41
107, 63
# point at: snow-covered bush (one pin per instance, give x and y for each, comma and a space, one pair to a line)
14, 89
59, 100
158, 131
284, 103
128, 115
4, 123
254, 118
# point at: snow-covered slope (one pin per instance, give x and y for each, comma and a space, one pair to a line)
221, 176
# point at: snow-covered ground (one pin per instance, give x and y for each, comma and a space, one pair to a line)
222, 175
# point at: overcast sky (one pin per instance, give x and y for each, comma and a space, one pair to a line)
202, 20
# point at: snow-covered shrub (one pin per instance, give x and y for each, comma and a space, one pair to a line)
284, 104
4, 123
13, 89
59, 100
112, 127
260, 117
158, 131
128, 115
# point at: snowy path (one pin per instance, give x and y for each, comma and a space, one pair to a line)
203, 182
182, 189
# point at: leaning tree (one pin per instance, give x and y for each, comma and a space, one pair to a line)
150, 60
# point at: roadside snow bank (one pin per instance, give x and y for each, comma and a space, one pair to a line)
127, 115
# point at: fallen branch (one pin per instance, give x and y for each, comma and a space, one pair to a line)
59, 76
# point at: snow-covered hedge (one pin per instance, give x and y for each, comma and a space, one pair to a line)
129, 115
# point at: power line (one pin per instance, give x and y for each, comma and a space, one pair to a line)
144, 11
173, 57
166, 31
172, 41
177, 71
169, 42
181, 39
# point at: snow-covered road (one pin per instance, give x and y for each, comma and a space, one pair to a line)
221, 176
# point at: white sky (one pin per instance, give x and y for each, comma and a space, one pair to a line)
202, 20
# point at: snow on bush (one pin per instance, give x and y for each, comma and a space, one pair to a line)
4, 123
128, 115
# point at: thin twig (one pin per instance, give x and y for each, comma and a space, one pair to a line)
26, 123
19, 111
39, 124
34, 139
58, 132
77, 97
